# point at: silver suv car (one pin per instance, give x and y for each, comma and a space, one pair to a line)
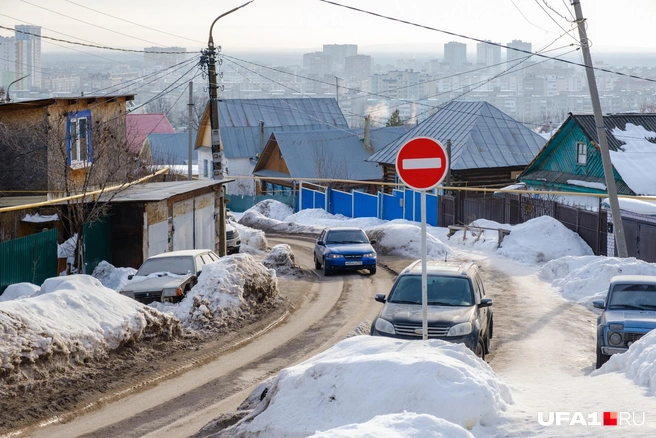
458, 310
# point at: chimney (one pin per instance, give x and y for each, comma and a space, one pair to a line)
367, 138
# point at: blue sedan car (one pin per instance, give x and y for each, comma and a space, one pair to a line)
344, 248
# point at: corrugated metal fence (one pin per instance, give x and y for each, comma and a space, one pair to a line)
97, 243
28, 259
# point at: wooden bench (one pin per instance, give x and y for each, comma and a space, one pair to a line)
477, 232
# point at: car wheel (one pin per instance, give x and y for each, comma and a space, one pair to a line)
372, 271
317, 265
601, 358
326, 270
487, 343
480, 348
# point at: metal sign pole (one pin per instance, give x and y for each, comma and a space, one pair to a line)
424, 276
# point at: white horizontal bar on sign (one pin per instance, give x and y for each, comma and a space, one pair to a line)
421, 163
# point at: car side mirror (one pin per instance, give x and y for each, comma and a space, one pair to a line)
380, 298
130, 277
599, 304
372, 241
321, 242
485, 302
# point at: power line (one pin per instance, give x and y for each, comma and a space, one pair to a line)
525, 18
446, 32
86, 22
132, 22
554, 20
92, 45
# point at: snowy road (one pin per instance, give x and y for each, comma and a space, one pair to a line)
326, 311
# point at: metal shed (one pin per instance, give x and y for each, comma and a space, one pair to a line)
149, 219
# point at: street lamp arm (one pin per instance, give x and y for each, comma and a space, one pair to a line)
9, 86
210, 42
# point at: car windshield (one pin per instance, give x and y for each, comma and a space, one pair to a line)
442, 291
177, 265
633, 296
346, 236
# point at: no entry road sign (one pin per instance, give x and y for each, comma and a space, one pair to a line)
422, 163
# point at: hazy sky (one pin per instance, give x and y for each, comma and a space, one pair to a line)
305, 25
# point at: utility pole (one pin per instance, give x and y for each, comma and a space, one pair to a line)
217, 146
189, 129
448, 155
618, 228
337, 89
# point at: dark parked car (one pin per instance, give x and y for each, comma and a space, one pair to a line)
344, 248
629, 312
457, 308
167, 277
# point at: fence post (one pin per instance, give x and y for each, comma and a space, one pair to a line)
598, 250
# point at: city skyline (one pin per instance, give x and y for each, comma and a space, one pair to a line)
302, 25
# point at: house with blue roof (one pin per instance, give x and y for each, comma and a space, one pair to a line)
335, 154
247, 124
488, 147
571, 159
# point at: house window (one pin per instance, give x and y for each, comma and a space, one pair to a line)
581, 154
78, 138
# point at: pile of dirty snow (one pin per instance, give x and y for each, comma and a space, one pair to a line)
19, 291
350, 384
73, 319
226, 289
319, 216
405, 240
252, 241
280, 258
272, 209
638, 363
112, 277
406, 425
254, 219
530, 242
584, 279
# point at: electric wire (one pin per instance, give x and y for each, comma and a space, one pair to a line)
446, 32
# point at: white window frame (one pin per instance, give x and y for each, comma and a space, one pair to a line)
77, 145
581, 153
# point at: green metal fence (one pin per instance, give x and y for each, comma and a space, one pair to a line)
28, 259
97, 243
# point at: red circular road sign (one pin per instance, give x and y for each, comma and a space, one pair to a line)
422, 163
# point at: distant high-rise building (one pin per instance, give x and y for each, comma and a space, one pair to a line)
338, 53
7, 60
317, 63
28, 56
489, 55
513, 56
358, 66
455, 54
158, 58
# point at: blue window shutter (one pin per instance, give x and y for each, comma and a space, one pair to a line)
89, 147
68, 139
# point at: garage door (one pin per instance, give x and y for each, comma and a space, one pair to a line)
183, 225
205, 222
158, 238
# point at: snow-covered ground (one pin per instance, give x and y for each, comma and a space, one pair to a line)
367, 386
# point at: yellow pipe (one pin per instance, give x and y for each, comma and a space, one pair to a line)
83, 195
471, 189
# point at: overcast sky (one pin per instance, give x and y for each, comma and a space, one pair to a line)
305, 25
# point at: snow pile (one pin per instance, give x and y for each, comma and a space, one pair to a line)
38, 218
252, 241
406, 425
112, 277
73, 319
255, 219
638, 363
272, 209
318, 216
226, 289
280, 258
584, 279
19, 291
350, 384
405, 240
534, 241
67, 249
629, 161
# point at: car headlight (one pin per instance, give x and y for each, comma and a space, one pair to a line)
171, 292
616, 326
335, 256
371, 255
615, 339
461, 329
127, 293
384, 326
